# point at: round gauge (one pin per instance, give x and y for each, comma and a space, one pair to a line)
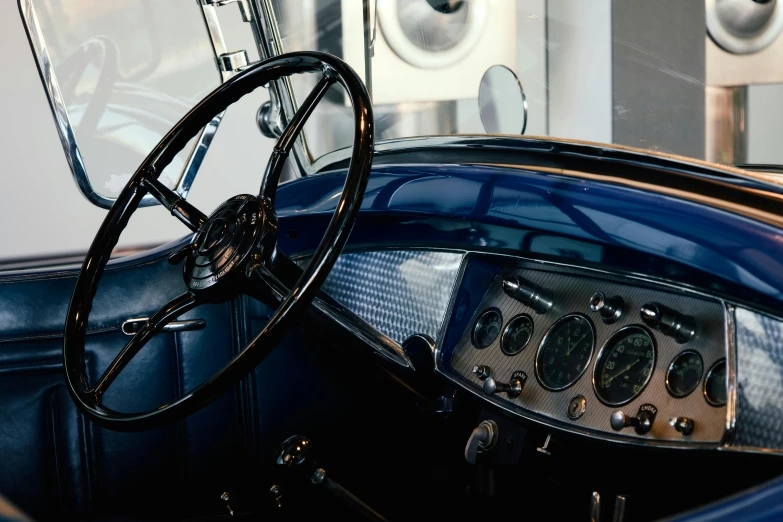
565, 352
684, 373
487, 328
715, 384
624, 366
517, 334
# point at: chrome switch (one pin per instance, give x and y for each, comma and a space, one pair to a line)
609, 308
641, 423
481, 372
682, 424
537, 298
680, 327
513, 388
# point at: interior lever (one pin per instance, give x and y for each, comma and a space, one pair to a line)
483, 438
131, 326
294, 453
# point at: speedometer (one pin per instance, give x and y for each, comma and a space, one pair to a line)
624, 366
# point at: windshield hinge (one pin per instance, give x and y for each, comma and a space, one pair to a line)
228, 63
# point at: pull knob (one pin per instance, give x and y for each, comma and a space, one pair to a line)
537, 298
483, 438
513, 388
682, 424
481, 371
642, 422
609, 308
680, 327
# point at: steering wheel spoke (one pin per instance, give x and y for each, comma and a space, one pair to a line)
179, 207
167, 313
274, 166
238, 239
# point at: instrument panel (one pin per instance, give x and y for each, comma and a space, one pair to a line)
591, 352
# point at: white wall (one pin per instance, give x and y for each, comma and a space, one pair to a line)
580, 69
41, 209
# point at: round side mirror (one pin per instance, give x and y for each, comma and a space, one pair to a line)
502, 103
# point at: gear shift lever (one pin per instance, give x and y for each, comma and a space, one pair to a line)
294, 453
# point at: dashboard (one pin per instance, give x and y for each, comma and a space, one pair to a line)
612, 356
591, 353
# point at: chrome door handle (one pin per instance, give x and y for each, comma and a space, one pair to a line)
131, 326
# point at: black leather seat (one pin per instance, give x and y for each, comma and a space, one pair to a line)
56, 463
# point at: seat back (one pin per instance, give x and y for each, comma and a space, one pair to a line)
54, 462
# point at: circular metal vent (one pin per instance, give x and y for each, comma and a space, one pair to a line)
743, 26
429, 38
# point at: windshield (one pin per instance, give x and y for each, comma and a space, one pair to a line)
698, 79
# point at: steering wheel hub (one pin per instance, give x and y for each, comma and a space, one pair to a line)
225, 240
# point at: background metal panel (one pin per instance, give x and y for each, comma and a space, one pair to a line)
400, 293
658, 69
760, 380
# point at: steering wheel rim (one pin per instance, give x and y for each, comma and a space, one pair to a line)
231, 262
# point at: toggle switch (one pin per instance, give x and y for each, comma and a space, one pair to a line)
642, 422
680, 327
513, 388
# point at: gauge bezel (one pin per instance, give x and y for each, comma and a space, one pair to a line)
506, 330
601, 354
669, 369
543, 343
707, 378
475, 326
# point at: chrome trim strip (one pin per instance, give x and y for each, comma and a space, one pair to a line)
65, 129
731, 375
197, 155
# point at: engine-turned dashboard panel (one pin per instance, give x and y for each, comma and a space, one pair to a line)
590, 352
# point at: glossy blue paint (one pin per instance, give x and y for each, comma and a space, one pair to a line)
523, 212
761, 504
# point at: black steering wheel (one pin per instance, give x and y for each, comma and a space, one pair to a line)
233, 251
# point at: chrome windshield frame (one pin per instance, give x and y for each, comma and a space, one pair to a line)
65, 128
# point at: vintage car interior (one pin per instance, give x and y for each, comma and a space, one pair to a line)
405, 321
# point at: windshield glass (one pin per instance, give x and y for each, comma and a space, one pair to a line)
698, 79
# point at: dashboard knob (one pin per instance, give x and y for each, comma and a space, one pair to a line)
609, 308
680, 327
537, 298
682, 424
481, 371
641, 423
513, 388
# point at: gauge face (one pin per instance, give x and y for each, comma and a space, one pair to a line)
487, 328
516, 335
715, 385
624, 366
565, 352
684, 374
